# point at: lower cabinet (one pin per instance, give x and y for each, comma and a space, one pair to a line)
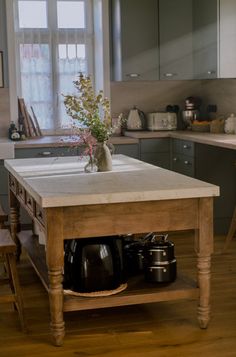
156, 152
45, 152
183, 157
131, 150
218, 166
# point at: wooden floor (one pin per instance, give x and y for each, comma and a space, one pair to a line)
152, 330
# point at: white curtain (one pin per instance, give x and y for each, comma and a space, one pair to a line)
50, 57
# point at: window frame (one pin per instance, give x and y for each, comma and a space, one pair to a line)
14, 83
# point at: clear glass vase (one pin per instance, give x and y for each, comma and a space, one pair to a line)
91, 165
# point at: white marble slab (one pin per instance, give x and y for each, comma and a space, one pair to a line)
56, 182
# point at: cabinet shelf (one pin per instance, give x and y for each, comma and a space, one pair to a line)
137, 292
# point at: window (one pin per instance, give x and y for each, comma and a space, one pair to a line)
54, 42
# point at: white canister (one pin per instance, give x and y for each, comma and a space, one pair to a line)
230, 124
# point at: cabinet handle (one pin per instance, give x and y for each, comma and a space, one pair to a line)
133, 75
29, 202
170, 74
211, 72
185, 146
45, 153
175, 159
186, 162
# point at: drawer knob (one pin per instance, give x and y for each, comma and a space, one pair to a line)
186, 162
45, 153
29, 202
175, 159
186, 146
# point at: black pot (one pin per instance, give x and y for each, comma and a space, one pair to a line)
133, 256
158, 250
93, 264
162, 273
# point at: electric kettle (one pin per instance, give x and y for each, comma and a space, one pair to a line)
136, 120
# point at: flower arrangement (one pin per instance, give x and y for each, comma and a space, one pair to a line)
90, 110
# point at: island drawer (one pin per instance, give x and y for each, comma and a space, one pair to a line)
12, 183
20, 192
30, 203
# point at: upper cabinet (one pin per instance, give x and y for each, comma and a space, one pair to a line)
168, 40
134, 40
175, 33
227, 40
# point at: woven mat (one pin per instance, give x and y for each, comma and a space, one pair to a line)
97, 293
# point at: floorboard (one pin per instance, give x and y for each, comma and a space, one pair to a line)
163, 329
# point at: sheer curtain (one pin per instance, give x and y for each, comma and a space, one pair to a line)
54, 42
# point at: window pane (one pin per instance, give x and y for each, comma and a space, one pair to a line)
70, 14
32, 14
71, 63
36, 80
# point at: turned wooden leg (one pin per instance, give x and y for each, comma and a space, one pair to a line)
56, 307
204, 249
15, 222
203, 265
55, 263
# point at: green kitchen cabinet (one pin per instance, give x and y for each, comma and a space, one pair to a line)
134, 40
217, 166
183, 157
156, 151
131, 150
45, 152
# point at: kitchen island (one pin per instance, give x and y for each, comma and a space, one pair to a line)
135, 197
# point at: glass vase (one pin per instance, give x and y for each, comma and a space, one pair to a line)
91, 165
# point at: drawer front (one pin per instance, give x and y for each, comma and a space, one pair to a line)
184, 147
45, 152
157, 159
21, 194
155, 145
40, 215
131, 150
30, 203
183, 164
12, 183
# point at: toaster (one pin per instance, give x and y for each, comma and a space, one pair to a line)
162, 121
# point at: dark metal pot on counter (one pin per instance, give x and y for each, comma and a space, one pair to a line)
159, 260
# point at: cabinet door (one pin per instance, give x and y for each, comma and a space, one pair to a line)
156, 152
135, 39
45, 152
131, 150
175, 33
205, 39
217, 166
227, 30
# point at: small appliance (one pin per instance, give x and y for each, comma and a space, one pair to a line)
161, 121
136, 120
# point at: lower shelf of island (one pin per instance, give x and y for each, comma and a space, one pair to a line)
138, 291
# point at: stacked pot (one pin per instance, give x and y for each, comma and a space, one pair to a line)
153, 256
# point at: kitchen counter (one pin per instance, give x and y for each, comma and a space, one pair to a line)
63, 140
221, 140
55, 182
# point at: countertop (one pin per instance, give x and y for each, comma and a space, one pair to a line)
220, 140
60, 141
131, 137
57, 182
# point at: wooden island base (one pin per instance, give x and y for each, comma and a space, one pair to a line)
168, 202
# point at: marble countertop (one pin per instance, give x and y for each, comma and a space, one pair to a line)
62, 140
57, 182
220, 140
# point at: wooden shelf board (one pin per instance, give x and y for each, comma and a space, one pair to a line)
36, 255
137, 292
